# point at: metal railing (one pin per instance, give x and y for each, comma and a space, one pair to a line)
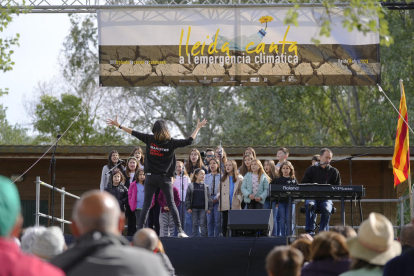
63, 193
400, 201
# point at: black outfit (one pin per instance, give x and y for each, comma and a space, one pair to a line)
401, 265
317, 174
284, 181
154, 214
120, 192
198, 196
130, 215
254, 205
99, 254
160, 166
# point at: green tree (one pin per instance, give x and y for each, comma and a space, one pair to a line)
54, 116
9, 134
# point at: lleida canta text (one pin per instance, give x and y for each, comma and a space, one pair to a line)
196, 53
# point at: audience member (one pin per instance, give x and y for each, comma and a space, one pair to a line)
139, 155
270, 169
304, 246
113, 159
118, 190
194, 162
13, 261
316, 159
329, 255
255, 186
406, 237
167, 225
212, 181
49, 243
284, 261
403, 265
373, 247
136, 199
198, 202
346, 231
231, 191
181, 183
131, 174
100, 249
147, 238
28, 238
209, 156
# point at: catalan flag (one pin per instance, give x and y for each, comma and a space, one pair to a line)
401, 158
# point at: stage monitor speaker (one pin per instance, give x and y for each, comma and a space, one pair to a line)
251, 220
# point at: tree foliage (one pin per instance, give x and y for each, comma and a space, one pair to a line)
9, 134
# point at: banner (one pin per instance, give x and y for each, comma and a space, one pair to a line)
231, 46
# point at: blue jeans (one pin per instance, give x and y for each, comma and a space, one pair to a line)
187, 221
283, 214
325, 206
276, 219
213, 221
199, 219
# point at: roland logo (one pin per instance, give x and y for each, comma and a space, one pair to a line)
290, 188
339, 188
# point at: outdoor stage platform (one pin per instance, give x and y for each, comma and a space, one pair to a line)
218, 256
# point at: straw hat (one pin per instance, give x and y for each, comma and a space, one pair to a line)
375, 241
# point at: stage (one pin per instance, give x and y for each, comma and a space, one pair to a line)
218, 256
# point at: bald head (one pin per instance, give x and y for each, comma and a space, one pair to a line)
407, 235
97, 211
146, 238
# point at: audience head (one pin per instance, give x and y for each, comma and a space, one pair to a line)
282, 154
230, 169
49, 243
198, 176
146, 238
270, 168
194, 159
304, 246
258, 168
28, 237
329, 244
316, 159
179, 167
374, 243
220, 154
10, 218
209, 154
138, 154
250, 151
286, 168
346, 231
284, 261
97, 211
160, 131
407, 235
117, 178
113, 158
132, 165
215, 163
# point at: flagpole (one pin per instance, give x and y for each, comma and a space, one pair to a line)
409, 169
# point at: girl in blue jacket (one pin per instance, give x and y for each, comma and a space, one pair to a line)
255, 186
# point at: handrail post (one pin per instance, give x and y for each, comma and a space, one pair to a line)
401, 213
37, 200
62, 209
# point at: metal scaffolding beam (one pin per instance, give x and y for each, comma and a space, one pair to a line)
91, 6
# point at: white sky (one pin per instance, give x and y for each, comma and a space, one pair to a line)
41, 39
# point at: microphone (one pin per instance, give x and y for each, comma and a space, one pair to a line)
182, 171
121, 161
203, 154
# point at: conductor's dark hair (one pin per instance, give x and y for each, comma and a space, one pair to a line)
160, 131
325, 149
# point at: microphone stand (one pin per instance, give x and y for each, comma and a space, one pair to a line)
52, 169
221, 192
182, 194
116, 166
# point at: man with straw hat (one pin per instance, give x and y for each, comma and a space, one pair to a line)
13, 261
373, 247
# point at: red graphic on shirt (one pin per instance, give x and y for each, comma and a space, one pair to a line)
155, 150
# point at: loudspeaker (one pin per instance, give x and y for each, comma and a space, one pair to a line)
259, 220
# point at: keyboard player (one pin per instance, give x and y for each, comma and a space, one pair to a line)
321, 174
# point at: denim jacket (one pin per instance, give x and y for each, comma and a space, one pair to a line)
208, 180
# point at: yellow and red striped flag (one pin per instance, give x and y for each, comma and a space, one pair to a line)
401, 158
